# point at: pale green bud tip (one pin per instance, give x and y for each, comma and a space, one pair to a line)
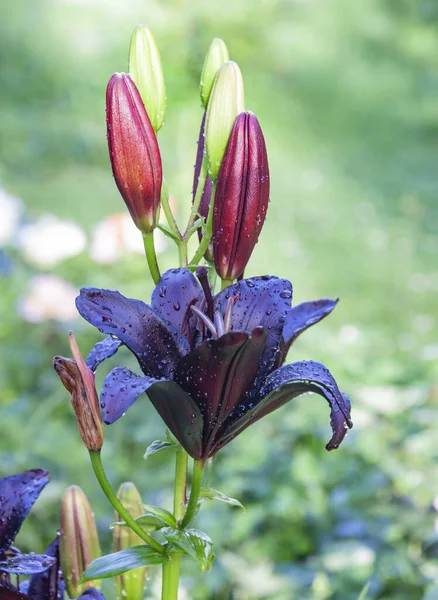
146, 72
130, 585
226, 102
78, 542
216, 56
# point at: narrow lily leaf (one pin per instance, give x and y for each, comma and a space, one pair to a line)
212, 494
120, 562
162, 513
148, 522
193, 542
158, 446
364, 592
27, 564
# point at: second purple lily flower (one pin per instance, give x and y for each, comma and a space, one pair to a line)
211, 365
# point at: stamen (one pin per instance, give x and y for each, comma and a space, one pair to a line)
228, 310
207, 322
185, 325
219, 322
202, 275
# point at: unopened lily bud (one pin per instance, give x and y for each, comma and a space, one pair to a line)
216, 56
146, 72
130, 585
78, 379
78, 542
226, 102
242, 197
134, 152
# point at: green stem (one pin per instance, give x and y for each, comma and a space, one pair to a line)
182, 253
179, 498
226, 283
198, 472
198, 196
207, 231
164, 198
171, 568
96, 462
151, 257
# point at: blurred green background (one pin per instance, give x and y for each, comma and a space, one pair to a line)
347, 95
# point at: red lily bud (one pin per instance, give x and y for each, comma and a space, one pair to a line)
242, 197
134, 152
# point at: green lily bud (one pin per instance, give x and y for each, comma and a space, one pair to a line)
78, 542
146, 72
216, 56
226, 102
130, 585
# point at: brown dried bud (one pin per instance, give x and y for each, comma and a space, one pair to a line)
78, 379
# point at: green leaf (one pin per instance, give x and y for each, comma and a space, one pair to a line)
158, 446
193, 542
212, 494
120, 562
161, 513
364, 592
148, 522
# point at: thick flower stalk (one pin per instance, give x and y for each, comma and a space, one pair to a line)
211, 364
134, 152
242, 197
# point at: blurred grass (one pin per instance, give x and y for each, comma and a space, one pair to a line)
346, 93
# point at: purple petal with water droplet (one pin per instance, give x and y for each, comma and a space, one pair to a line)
181, 415
17, 496
262, 302
175, 293
287, 383
218, 374
300, 318
157, 346
120, 390
27, 564
101, 351
48, 585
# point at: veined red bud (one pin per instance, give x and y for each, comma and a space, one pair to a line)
242, 197
134, 152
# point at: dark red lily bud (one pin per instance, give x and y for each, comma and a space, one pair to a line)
242, 197
134, 152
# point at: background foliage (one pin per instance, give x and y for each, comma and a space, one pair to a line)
346, 93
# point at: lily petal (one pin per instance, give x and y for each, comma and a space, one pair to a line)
262, 302
156, 345
120, 390
180, 413
300, 318
92, 594
101, 351
18, 493
27, 564
287, 383
48, 585
219, 373
177, 290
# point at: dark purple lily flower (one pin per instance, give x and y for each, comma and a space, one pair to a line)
17, 496
212, 365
